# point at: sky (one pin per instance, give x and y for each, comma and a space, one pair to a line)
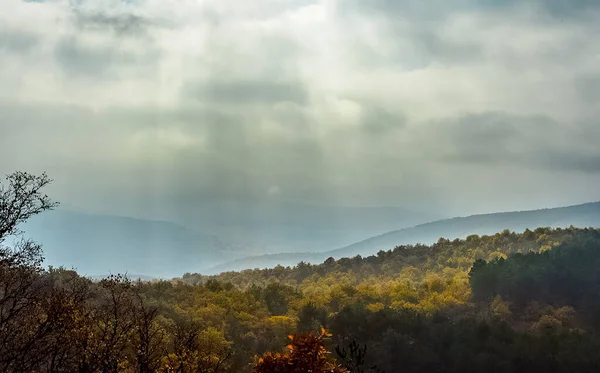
457, 107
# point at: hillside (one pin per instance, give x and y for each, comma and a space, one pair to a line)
504, 303
404, 262
97, 245
507, 302
585, 215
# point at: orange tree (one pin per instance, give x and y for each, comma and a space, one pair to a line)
306, 353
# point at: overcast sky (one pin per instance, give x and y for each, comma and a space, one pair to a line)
454, 106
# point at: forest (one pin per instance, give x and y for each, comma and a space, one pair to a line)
508, 302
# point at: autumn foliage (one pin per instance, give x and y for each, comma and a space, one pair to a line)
506, 303
306, 353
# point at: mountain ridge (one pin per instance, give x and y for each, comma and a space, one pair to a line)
101, 243
576, 215
94, 243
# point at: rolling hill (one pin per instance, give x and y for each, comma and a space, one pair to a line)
97, 245
585, 215
286, 227
100, 244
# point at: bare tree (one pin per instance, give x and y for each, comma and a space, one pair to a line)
21, 199
28, 314
23, 324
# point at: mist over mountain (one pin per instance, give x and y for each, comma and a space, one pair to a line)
260, 236
584, 215
101, 244
272, 227
97, 245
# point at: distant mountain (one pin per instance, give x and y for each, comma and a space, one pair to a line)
102, 244
585, 215
279, 227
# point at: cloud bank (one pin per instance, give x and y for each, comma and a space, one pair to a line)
457, 106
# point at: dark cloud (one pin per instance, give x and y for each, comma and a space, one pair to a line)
503, 139
471, 138
412, 32
292, 116
588, 88
400, 8
556, 8
247, 92
19, 42
78, 58
218, 101
120, 24
570, 160
434, 46
379, 120
440, 8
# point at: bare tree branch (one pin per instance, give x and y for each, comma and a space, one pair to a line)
20, 199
